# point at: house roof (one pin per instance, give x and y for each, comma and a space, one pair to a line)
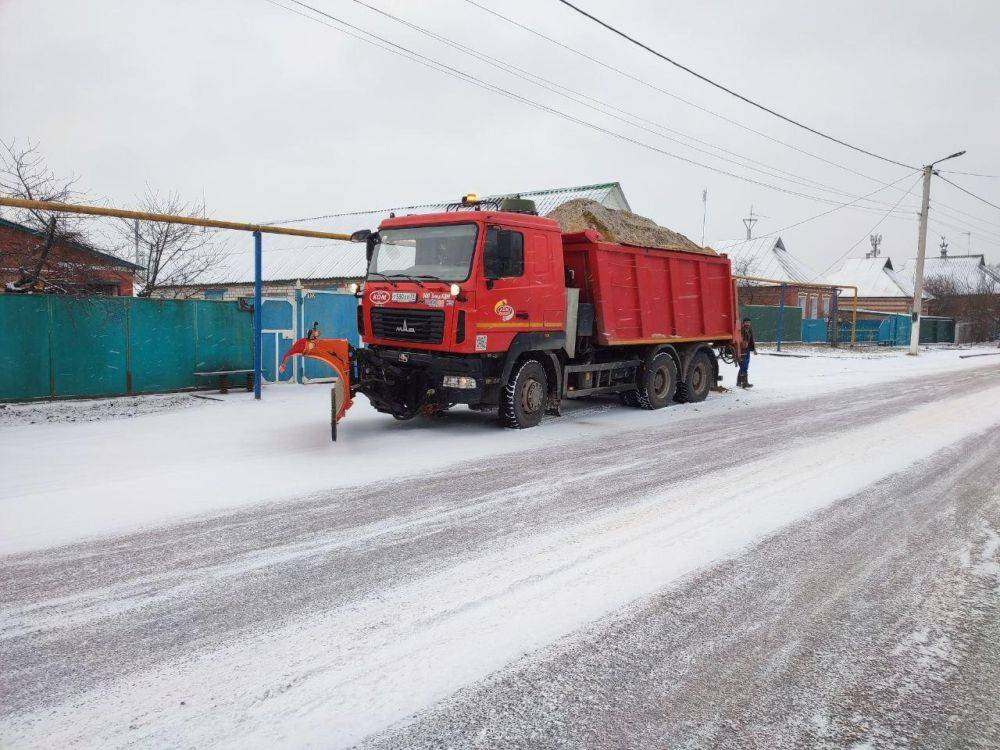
112, 260
766, 258
874, 277
291, 258
967, 272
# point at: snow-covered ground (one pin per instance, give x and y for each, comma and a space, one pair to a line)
67, 478
320, 595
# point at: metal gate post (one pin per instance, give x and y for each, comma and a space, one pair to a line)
781, 314
258, 310
834, 322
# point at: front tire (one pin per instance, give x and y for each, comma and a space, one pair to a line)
657, 382
522, 402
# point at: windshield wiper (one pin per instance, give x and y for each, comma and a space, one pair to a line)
376, 273
414, 279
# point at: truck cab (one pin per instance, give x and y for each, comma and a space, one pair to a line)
450, 297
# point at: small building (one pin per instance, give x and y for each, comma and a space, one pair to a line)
881, 288
70, 267
768, 258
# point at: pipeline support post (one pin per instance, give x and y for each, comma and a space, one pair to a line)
781, 315
258, 311
854, 318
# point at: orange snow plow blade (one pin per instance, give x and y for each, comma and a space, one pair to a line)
336, 353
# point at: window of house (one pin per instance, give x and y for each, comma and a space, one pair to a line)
215, 294
814, 313
826, 308
802, 303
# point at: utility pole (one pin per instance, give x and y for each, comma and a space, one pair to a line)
704, 214
918, 271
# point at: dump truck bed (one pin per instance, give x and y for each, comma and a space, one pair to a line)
649, 295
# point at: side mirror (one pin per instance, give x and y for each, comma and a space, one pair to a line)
361, 235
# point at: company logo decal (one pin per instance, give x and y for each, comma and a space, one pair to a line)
379, 297
404, 296
404, 328
481, 343
505, 311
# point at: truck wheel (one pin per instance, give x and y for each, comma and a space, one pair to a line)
699, 380
657, 382
628, 398
522, 403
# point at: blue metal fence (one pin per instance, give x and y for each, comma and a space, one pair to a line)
66, 347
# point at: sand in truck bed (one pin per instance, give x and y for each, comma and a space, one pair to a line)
621, 226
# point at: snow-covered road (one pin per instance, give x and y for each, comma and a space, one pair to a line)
684, 582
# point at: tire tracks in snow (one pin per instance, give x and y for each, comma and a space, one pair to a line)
79, 616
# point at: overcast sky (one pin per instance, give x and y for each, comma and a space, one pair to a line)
271, 115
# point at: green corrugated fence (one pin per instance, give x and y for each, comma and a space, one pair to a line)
64, 347
764, 319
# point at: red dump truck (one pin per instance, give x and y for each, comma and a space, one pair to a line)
489, 305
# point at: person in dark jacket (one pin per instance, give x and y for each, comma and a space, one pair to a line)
747, 345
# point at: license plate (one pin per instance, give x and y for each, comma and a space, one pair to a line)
404, 296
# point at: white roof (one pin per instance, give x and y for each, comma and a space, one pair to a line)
967, 272
766, 258
874, 277
292, 258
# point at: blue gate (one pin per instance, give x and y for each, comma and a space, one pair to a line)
814, 331
336, 313
277, 334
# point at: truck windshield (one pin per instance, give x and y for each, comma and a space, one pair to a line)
438, 252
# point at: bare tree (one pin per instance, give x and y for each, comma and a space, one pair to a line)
174, 256
976, 304
30, 266
748, 290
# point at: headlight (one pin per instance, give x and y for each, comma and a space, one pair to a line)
458, 381
455, 290
354, 287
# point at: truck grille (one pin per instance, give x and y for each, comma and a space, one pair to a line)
425, 326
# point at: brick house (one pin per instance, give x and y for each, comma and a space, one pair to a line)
768, 258
881, 288
70, 267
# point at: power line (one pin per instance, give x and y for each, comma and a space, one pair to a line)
846, 205
868, 233
667, 93
560, 90
969, 192
454, 72
694, 105
970, 174
730, 91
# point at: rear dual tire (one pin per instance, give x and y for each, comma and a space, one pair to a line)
657, 382
698, 382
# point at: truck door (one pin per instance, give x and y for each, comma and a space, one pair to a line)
517, 265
